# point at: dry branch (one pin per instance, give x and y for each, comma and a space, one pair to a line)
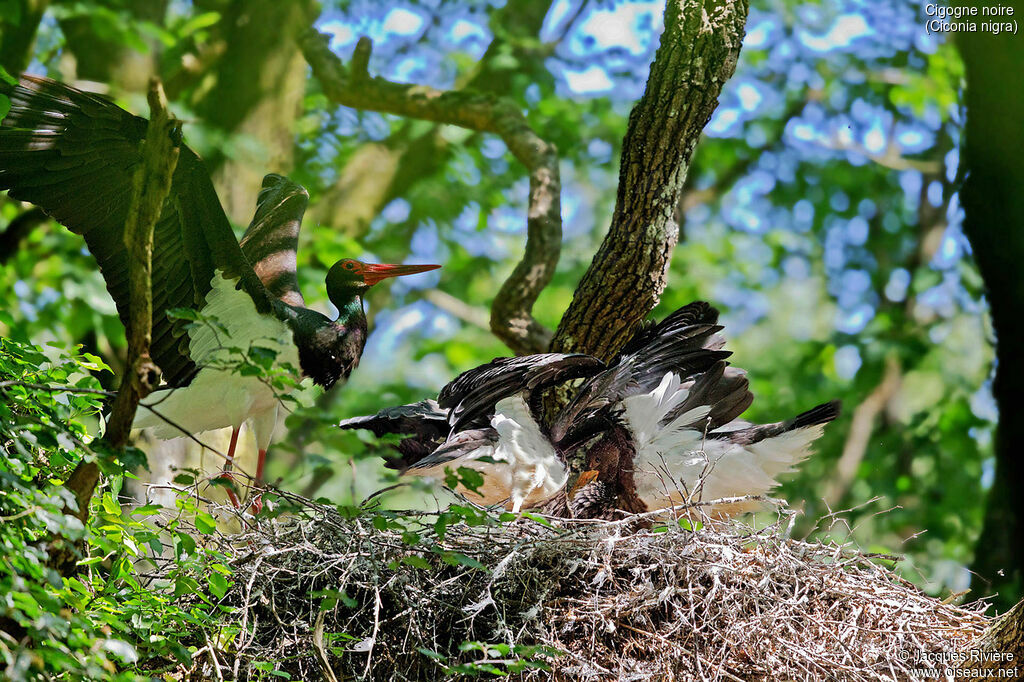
318, 591
511, 314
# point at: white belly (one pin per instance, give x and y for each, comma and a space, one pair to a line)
219, 396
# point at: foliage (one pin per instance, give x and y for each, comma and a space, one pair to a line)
821, 215
109, 616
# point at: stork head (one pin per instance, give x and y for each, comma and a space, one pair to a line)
349, 278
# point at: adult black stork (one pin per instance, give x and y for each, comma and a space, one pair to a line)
73, 154
658, 426
488, 418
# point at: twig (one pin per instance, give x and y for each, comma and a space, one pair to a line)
321, 653
455, 306
511, 311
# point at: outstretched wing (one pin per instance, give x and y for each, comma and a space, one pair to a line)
424, 422
816, 416
425, 419
74, 154
685, 343
474, 393
271, 241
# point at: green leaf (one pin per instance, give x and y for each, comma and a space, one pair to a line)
218, 584
416, 561
205, 523
538, 519
94, 363
264, 357
147, 510
183, 314
198, 22
431, 654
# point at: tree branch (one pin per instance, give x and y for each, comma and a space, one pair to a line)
511, 313
697, 54
859, 437
151, 185
17, 230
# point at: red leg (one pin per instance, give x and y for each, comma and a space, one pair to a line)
228, 463
257, 500
261, 460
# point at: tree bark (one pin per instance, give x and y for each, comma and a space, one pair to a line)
98, 58
697, 55
1000, 648
993, 158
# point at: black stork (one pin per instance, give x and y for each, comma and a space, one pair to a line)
73, 154
493, 412
486, 419
678, 440
658, 427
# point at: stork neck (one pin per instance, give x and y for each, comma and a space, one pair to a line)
349, 307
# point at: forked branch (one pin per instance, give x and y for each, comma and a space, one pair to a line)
511, 312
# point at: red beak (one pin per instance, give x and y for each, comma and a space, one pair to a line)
375, 273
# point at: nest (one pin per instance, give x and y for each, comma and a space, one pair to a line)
328, 597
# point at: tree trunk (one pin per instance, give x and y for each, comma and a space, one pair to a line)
98, 58
18, 34
1001, 647
993, 157
697, 55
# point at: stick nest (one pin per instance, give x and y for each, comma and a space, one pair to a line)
327, 597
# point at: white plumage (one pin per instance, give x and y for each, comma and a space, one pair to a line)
526, 468
218, 396
679, 463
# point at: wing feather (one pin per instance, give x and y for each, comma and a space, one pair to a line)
73, 154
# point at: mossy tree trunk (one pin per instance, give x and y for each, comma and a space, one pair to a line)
697, 55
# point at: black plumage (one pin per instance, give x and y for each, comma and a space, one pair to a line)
73, 155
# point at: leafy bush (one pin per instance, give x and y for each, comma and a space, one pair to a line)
108, 620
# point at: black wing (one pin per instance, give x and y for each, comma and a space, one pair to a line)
459, 445
474, 393
822, 414
424, 422
271, 241
698, 312
74, 154
725, 390
686, 343
425, 419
